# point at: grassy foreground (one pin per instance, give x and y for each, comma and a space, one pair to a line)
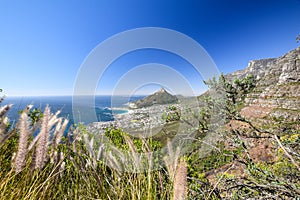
76, 166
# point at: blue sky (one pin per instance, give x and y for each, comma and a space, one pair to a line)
43, 43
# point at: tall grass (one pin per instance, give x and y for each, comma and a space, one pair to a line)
53, 166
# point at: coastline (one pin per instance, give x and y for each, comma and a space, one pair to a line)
126, 112
134, 119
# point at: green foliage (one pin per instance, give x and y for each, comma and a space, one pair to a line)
6, 153
214, 160
225, 98
118, 138
171, 114
172, 108
236, 91
245, 85
35, 115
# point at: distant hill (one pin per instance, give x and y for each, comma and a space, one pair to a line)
160, 97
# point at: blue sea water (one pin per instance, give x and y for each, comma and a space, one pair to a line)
105, 106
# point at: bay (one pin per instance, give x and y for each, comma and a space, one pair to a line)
105, 106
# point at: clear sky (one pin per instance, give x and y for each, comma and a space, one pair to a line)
43, 43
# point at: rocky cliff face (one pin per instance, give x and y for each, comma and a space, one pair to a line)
278, 83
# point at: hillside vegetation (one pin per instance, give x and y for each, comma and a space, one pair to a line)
251, 152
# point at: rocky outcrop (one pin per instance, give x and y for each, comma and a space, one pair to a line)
278, 82
258, 68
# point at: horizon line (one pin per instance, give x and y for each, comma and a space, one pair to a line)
68, 95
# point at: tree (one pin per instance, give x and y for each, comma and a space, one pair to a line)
171, 114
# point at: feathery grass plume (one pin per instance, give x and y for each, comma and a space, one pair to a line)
56, 132
4, 109
76, 138
33, 142
113, 162
132, 155
62, 168
171, 160
42, 143
3, 123
54, 119
23, 140
180, 181
63, 163
60, 133
53, 156
114, 158
3, 129
90, 145
100, 151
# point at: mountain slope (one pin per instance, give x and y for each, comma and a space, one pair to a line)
278, 84
159, 97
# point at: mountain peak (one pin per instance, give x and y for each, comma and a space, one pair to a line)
160, 97
162, 90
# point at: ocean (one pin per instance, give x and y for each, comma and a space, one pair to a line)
105, 106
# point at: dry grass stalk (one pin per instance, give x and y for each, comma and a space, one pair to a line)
180, 181
3, 126
62, 168
58, 133
42, 143
61, 160
287, 153
53, 119
3, 123
171, 160
4, 110
23, 140
113, 162
60, 129
133, 156
57, 129
90, 147
33, 142
100, 152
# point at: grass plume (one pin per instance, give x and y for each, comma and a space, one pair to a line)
42, 143
24, 133
180, 181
